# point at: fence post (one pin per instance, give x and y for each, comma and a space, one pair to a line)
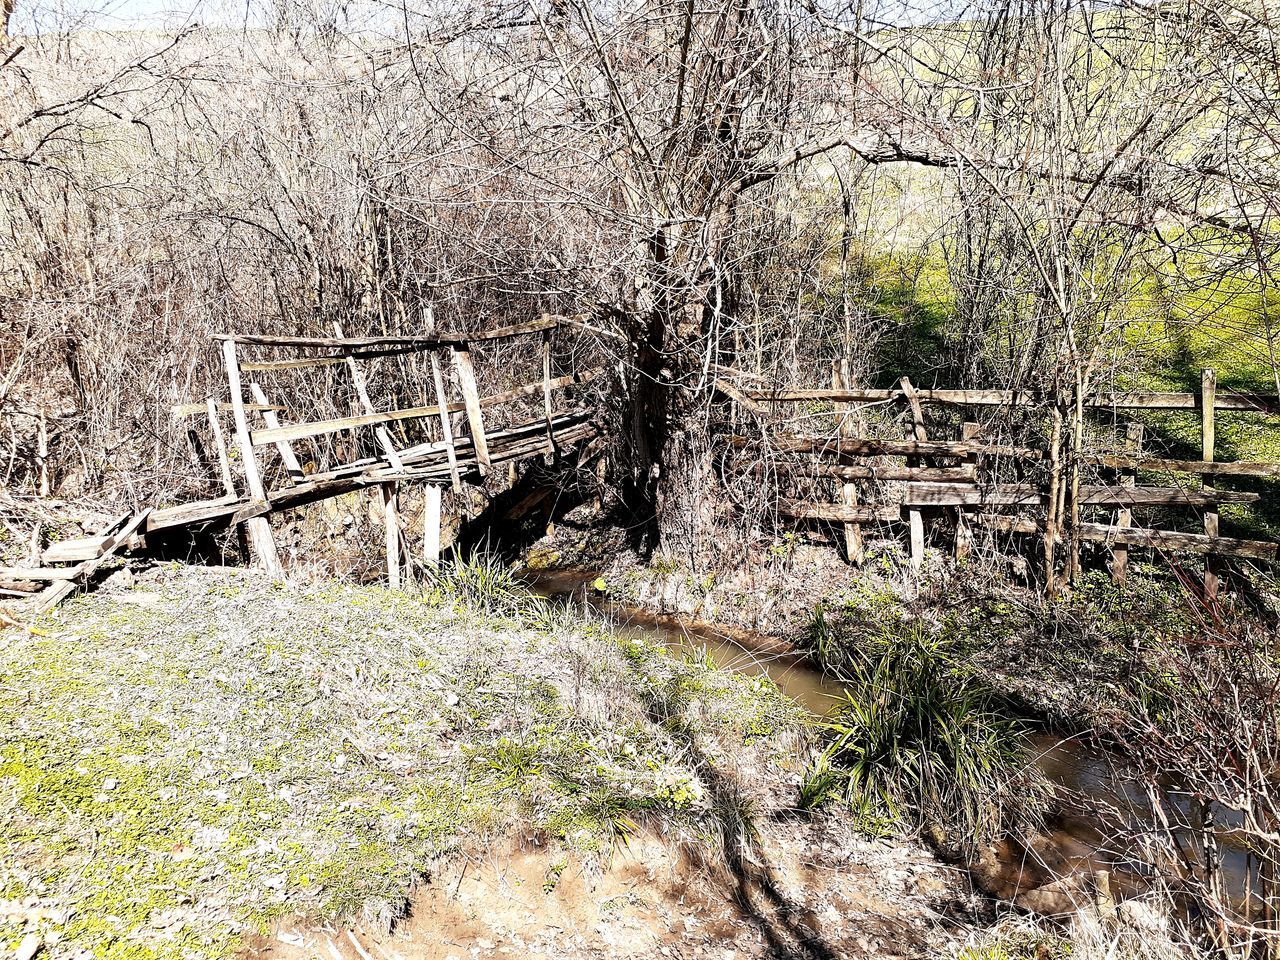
431, 526
1124, 517
853, 548
1208, 397
391, 522
964, 532
914, 517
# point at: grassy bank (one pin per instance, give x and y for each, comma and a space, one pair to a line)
186, 762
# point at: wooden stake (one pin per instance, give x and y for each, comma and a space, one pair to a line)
446, 427
1208, 395
262, 544
853, 547
220, 444
914, 516
391, 522
964, 532
471, 397
548, 406
42, 455
291, 465
431, 526
1124, 516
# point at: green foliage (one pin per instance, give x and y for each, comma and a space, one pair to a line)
485, 583
920, 741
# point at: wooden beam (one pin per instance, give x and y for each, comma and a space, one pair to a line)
367, 343
914, 517
837, 512
446, 425
874, 471
1241, 468
1257, 402
471, 399
261, 541
1124, 517
391, 524
963, 545
873, 447
1182, 542
547, 405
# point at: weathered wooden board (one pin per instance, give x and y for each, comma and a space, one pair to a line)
1141, 537
838, 512
1259, 402
367, 343
1241, 468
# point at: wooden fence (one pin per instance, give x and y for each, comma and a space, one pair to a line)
965, 476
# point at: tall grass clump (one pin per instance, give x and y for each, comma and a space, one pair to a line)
920, 742
484, 583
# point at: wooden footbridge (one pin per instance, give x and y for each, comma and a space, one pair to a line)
453, 445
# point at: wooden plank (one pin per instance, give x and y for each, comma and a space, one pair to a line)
362, 391
1182, 542
1208, 393
75, 551
261, 541
875, 447
1241, 468
1257, 402
874, 471
1026, 494
741, 397
291, 465
37, 573
365, 343
471, 399
837, 512
446, 426
220, 445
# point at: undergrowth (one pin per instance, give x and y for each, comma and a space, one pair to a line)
919, 742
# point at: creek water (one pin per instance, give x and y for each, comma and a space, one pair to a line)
1099, 806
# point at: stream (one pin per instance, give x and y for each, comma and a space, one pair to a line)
1092, 787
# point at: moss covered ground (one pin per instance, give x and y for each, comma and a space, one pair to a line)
185, 762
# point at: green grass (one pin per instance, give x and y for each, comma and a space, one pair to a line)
183, 764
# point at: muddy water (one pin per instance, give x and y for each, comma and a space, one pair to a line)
1100, 806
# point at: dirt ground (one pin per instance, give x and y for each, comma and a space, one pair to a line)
804, 889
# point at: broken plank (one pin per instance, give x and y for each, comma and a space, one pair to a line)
1183, 542
471, 399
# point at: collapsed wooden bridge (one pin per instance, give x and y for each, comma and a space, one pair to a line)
458, 446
